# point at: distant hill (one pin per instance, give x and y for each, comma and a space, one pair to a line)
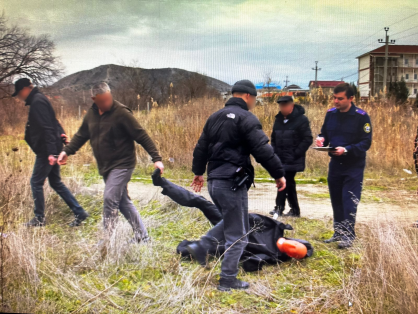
118, 76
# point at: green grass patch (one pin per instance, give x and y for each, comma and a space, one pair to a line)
154, 278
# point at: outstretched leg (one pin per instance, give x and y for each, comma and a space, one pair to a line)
186, 198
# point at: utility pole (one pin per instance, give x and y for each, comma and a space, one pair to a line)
286, 81
316, 77
385, 68
316, 73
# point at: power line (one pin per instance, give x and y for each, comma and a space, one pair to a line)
405, 30
408, 35
403, 19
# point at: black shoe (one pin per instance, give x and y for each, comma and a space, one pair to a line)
291, 213
226, 284
78, 220
345, 244
156, 177
334, 238
198, 253
36, 222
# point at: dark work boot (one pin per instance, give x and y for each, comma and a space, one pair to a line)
226, 284
78, 220
36, 222
156, 177
334, 238
346, 242
198, 252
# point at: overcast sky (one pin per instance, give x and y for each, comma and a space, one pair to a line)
228, 40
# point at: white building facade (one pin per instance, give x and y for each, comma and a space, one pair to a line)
402, 63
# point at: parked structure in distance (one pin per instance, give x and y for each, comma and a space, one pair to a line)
402, 63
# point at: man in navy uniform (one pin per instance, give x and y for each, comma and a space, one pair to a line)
348, 129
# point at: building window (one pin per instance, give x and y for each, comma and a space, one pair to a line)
406, 61
406, 76
415, 76
415, 90
416, 61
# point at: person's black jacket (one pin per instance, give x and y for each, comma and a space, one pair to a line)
261, 249
265, 232
43, 131
292, 139
228, 138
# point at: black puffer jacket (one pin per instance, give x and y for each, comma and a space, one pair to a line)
228, 138
292, 139
43, 131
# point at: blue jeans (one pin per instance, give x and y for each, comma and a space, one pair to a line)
234, 208
43, 170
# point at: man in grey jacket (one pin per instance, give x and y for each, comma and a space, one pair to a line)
112, 130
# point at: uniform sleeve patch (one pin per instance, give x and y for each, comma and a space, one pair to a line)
361, 111
331, 109
367, 128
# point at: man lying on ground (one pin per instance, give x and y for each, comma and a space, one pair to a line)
264, 232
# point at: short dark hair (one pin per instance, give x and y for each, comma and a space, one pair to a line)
344, 87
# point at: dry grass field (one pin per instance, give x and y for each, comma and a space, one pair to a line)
57, 269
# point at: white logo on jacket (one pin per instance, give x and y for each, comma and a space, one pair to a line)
230, 116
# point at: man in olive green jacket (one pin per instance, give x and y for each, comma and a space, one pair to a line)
112, 130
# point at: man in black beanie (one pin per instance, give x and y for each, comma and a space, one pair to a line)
228, 138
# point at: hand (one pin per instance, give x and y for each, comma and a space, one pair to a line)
319, 141
65, 138
338, 151
52, 160
159, 165
197, 183
281, 184
62, 158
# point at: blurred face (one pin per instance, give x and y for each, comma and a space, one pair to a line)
24, 93
286, 108
103, 101
249, 99
341, 101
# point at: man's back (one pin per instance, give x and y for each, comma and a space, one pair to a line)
43, 132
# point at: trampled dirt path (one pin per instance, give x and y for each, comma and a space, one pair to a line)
314, 202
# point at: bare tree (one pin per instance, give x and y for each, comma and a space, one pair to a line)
267, 85
22, 54
195, 85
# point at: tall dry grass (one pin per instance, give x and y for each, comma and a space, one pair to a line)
387, 279
176, 130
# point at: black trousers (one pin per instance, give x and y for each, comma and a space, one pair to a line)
289, 193
345, 185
